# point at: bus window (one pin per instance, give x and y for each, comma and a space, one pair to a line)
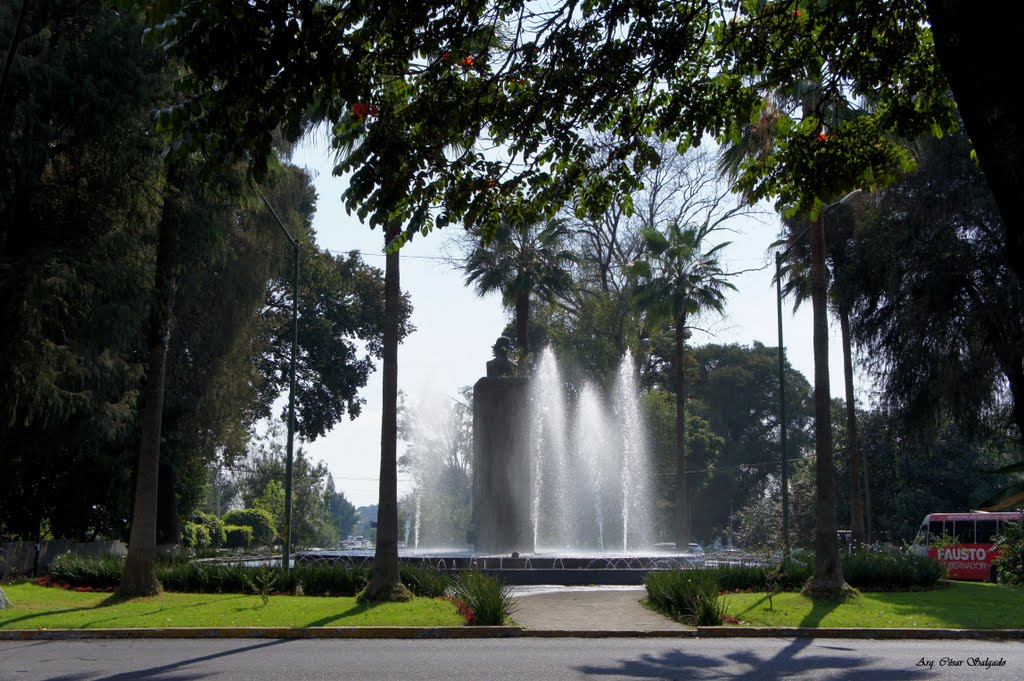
987, 531
963, 530
935, 531
921, 539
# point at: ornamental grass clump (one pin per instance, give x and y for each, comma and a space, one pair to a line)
424, 582
183, 577
690, 596
789, 575
97, 572
483, 600
331, 580
205, 578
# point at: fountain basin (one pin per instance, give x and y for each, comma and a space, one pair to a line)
568, 570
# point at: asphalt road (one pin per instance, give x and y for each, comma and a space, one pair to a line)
522, 659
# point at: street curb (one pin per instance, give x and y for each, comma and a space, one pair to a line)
859, 633
503, 632
262, 632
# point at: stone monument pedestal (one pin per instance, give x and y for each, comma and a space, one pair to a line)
502, 471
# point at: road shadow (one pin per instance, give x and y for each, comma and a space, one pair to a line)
673, 665
172, 670
794, 659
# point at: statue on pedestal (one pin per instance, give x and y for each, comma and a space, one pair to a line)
501, 365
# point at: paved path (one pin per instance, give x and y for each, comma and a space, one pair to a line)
589, 609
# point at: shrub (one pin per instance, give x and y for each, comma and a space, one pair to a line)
792, 575
689, 596
485, 600
98, 572
184, 577
213, 526
195, 536
238, 536
331, 580
869, 571
262, 581
178, 575
206, 578
426, 583
260, 521
1010, 563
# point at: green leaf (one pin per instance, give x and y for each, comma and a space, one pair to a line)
639, 269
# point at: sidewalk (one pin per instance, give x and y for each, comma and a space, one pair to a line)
591, 610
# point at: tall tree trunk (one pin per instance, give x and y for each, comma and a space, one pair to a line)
868, 532
138, 577
386, 583
852, 442
168, 532
974, 49
523, 324
682, 498
827, 581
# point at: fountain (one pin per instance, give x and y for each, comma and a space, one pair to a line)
572, 465
561, 490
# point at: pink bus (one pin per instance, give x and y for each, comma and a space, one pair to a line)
971, 554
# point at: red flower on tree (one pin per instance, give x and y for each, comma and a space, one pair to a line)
361, 110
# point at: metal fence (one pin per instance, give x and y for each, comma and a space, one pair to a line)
24, 558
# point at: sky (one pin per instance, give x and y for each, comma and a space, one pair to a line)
455, 328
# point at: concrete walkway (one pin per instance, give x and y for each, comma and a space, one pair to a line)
591, 609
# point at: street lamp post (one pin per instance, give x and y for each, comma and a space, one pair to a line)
782, 410
779, 257
287, 551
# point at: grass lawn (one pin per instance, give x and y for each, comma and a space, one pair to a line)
37, 607
963, 605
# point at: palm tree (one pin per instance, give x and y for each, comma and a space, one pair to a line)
138, 577
826, 105
523, 260
385, 581
355, 141
841, 287
678, 281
